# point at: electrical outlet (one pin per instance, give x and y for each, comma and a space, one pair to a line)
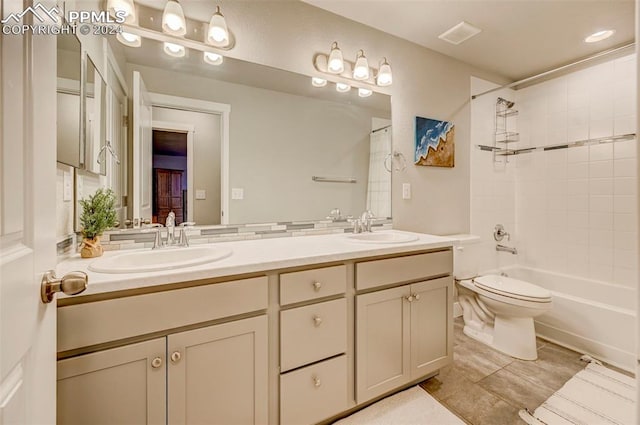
237, 193
406, 190
201, 194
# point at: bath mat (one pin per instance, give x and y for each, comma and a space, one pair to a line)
595, 396
411, 407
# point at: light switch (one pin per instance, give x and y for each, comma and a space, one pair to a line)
201, 194
237, 193
67, 189
406, 190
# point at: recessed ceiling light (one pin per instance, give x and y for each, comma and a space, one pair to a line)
599, 36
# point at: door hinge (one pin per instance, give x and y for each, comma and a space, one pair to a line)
125, 121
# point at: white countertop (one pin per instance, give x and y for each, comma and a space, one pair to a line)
251, 256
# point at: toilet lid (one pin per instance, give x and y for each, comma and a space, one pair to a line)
512, 287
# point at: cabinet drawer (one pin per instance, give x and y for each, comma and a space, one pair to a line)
312, 333
314, 393
98, 322
370, 274
311, 284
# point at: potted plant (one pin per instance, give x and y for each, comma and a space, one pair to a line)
98, 214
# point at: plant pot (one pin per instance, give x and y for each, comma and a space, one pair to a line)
91, 248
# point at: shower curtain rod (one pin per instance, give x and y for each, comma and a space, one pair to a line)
560, 68
381, 128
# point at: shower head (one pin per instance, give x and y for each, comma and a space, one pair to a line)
509, 104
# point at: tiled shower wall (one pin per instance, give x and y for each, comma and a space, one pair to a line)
576, 208
569, 210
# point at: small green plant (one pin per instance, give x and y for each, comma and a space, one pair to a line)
98, 213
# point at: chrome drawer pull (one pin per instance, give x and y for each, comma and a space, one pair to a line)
317, 286
316, 381
317, 321
156, 363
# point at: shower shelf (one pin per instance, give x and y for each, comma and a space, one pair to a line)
507, 113
507, 137
500, 151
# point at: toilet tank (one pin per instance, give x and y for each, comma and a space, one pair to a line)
466, 256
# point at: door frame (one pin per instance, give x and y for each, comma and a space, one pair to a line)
212, 108
189, 129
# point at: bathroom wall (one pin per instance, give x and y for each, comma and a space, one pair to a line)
576, 208
569, 210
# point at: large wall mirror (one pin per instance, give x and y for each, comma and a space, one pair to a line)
68, 100
94, 98
244, 143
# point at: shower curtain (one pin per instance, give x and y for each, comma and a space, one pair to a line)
379, 183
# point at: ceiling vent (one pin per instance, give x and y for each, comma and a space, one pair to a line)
460, 33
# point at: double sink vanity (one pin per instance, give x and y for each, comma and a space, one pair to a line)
293, 330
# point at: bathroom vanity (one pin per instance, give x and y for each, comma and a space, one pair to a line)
283, 331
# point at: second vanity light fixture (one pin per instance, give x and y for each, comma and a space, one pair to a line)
174, 29
358, 71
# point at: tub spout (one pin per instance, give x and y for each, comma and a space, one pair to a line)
506, 249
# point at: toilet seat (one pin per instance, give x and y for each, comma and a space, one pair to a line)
501, 286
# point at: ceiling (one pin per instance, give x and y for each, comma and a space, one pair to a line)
519, 38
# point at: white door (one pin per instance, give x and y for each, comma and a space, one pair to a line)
142, 149
27, 225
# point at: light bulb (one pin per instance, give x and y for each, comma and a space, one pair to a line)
173, 21
175, 50
361, 70
213, 58
364, 92
384, 78
128, 39
336, 62
342, 87
124, 8
218, 32
318, 82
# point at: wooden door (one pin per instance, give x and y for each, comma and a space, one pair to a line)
382, 342
168, 194
124, 385
218, 374
431, 326
27, 221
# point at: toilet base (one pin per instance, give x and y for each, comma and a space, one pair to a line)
514, 336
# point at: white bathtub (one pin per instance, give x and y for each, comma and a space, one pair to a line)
589, 316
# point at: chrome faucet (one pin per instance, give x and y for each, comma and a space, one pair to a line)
504, 248
170, 224
363, 224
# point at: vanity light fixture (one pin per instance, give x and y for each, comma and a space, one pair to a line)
125, 6
599, 36
218, 34
213, 58
361, 70
336, 61
175, 50
364, 92
342, 87
128, 39
173, 21
384, 78
318, 82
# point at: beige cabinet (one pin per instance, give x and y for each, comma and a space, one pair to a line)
124, 385
402, 334
213, 375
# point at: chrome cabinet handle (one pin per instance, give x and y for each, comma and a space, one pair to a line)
317, 286
71, 283
156, 362
316, 381
175, 357
416, 296
409, 298
317, 321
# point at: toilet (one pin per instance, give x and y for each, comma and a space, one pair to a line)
497, 310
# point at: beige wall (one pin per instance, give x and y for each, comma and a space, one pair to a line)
287, 35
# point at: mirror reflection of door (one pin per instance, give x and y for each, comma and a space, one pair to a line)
169, 175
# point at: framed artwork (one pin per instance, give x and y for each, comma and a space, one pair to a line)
435, 144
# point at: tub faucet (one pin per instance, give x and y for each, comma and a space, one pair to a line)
506, 249
170, 224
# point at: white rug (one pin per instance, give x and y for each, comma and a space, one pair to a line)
594, 396
411, 407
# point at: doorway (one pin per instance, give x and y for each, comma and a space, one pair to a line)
170, 168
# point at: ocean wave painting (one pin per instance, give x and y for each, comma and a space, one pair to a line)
435, 144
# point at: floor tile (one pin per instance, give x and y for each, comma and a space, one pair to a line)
514, 390
479, 406
448, 382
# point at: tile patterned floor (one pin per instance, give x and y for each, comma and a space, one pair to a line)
486, 387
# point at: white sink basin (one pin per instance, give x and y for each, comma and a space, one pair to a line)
382, 237
159, 259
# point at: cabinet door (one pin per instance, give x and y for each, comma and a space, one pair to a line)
123, 385
219, 375
382, 342
431, 325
